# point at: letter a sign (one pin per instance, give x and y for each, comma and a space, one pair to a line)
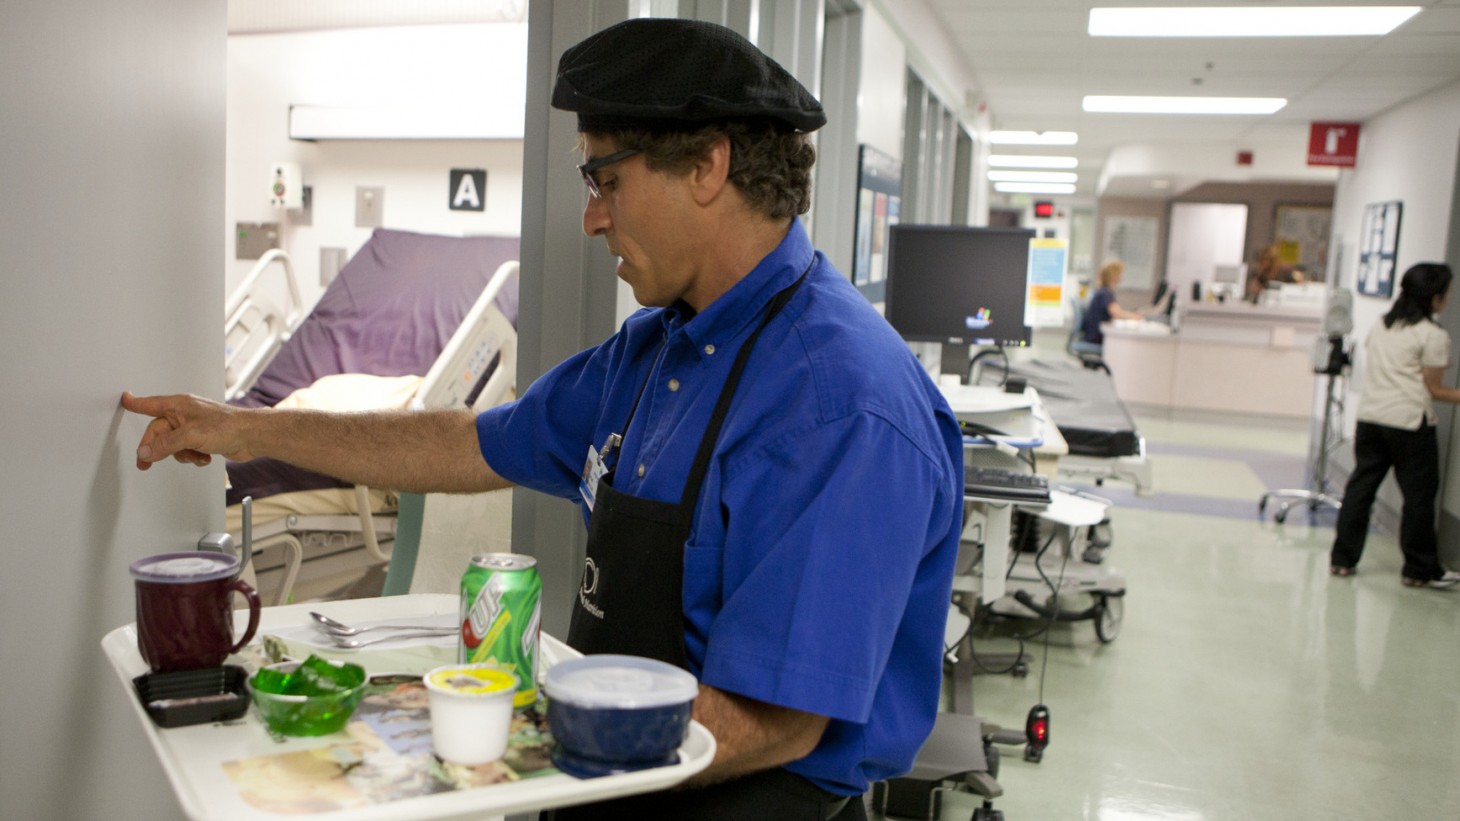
468, 189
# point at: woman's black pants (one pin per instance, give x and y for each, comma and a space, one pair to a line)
1415, 457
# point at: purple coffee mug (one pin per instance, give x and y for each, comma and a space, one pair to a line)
184, 609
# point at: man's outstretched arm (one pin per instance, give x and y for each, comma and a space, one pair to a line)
414, 451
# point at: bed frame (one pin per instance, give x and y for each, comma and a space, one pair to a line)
254, 328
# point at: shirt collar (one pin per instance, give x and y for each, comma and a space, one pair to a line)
746, 300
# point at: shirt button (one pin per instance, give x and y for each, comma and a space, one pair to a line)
674, 384
709, 350
641, 471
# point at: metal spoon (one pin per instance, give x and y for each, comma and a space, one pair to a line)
356, 643
339, 628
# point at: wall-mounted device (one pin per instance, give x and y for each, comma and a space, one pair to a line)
286, 186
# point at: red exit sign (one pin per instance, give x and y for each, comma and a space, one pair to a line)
1333, 144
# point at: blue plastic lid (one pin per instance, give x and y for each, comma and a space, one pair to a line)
619, 682
185, 568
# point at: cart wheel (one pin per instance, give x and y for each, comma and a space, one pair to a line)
1262, 505
1281, 515
1112, 613
1020, 669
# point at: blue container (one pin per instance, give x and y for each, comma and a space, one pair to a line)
613, 714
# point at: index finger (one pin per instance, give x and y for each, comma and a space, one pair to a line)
146, 405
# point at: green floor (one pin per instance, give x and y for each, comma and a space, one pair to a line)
1246, 683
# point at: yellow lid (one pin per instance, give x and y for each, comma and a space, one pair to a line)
472, 680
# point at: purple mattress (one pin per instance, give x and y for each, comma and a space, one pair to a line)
389, 312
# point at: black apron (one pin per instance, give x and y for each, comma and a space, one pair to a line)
631, 601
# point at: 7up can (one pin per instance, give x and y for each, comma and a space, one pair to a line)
501, 611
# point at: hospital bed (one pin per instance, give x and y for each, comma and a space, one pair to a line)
412, 321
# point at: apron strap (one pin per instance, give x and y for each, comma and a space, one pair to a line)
722, 407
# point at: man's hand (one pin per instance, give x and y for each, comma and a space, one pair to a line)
187, 428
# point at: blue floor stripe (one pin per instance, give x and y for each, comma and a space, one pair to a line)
1125, 498
1278, 471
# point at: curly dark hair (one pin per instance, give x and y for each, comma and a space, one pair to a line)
771, 167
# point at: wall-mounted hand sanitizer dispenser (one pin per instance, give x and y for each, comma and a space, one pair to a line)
286, 186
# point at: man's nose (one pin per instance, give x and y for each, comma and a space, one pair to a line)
595, 217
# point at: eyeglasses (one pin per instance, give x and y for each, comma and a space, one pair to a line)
588, 169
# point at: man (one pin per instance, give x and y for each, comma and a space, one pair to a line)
771, 483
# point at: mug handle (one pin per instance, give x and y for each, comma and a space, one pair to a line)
253, 612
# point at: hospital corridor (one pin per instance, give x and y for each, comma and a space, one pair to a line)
1246, 682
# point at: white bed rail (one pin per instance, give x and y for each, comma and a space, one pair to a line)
484, 335
254, 328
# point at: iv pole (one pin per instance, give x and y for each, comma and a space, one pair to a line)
1338, 322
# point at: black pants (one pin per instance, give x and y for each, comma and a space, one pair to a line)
772, 795
1415, 457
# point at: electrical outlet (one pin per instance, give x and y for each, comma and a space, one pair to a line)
255, 239
331, 260
369, 206
305, 215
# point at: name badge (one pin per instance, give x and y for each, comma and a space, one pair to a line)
593, 469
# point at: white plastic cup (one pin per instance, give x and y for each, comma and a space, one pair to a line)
471, 712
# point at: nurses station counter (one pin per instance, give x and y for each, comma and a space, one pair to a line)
1230, 356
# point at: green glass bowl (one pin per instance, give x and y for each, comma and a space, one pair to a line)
292, 701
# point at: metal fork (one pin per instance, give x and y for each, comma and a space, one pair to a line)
339, 628
352, 644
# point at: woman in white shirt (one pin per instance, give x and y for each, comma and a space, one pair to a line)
1406, 356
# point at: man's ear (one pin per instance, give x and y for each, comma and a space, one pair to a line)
711, 172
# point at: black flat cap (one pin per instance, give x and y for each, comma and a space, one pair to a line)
671, 74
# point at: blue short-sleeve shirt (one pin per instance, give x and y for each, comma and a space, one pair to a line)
818, 570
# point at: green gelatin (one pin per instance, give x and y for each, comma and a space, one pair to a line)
315, 697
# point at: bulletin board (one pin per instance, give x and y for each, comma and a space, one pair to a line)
1301, 233
1131, 240
1379, 248
879, 204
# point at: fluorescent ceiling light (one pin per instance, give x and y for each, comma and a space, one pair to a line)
1182, 105
1034, 188
1033, 137
1031, 161
1033, 176
1276, 21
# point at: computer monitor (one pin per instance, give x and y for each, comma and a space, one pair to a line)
1163, 301
959, 284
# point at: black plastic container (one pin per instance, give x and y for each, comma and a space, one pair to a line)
193, 696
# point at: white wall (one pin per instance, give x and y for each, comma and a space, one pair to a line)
435, 67
1406, 154
883, 92
113, 174
1283, 155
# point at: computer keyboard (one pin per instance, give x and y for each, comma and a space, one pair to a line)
997, 483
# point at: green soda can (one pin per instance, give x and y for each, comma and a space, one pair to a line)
501, 611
